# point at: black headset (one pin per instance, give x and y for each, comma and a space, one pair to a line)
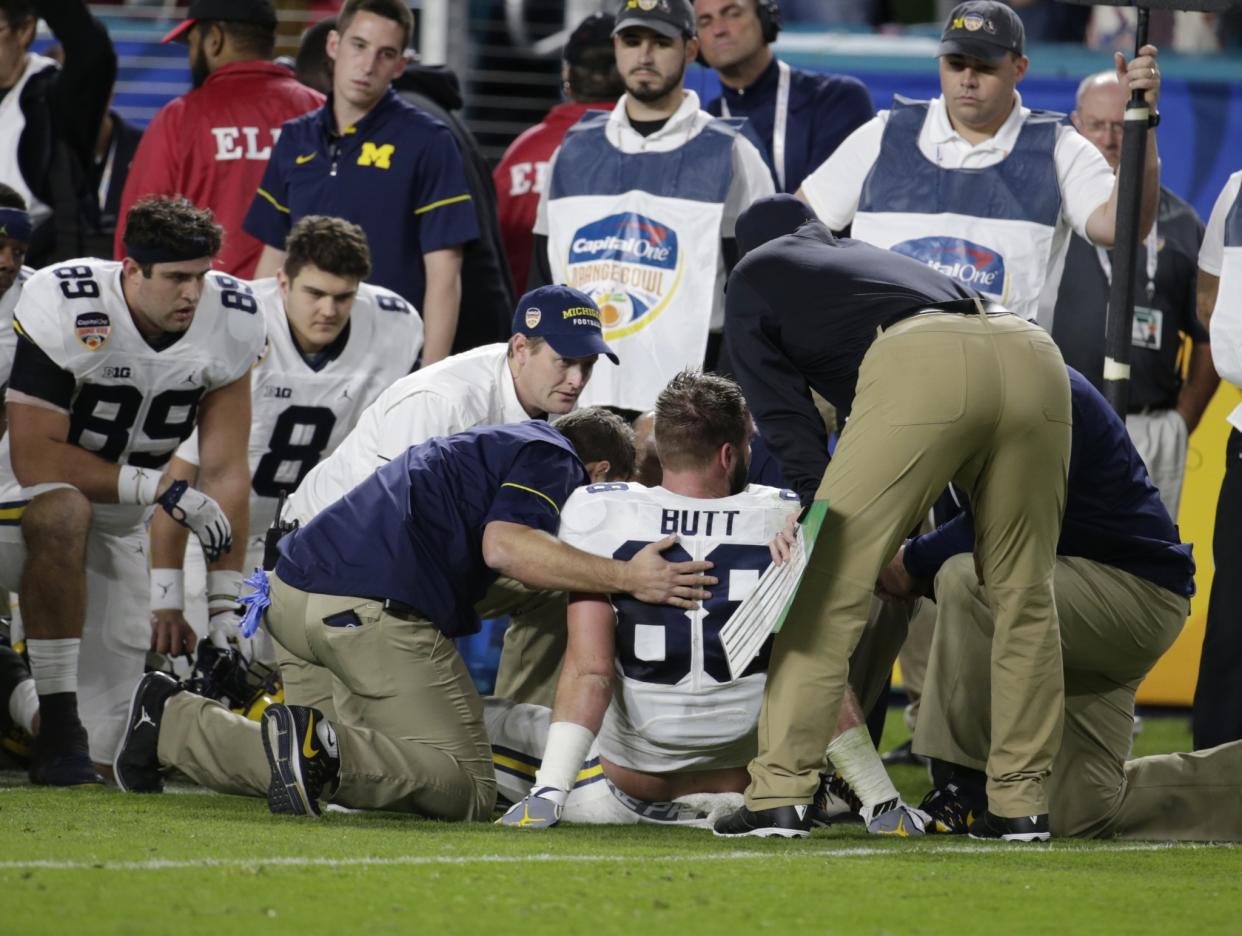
769, 13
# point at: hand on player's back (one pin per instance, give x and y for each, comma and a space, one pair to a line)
653, 579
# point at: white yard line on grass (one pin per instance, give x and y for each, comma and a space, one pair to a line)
160, 864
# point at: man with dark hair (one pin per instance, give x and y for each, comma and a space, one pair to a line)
50, 116
801, 116
334, 344
604, 434
486, 287
589, 81
678, 723
403, 727
381, 163
116, 364
640, 208
212, 144
16, 227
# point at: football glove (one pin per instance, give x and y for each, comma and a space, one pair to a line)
224, 631
202, 515
538, 810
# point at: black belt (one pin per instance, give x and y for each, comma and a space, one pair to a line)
400, 609
956, 307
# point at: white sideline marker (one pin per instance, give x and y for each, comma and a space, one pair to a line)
1054, 850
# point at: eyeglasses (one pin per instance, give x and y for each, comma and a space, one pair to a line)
1104, 126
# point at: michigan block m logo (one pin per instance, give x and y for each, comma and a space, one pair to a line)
378, 156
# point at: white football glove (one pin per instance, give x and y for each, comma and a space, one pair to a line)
202, 515
224, 630
539, 810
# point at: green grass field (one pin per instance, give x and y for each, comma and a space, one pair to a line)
98, 861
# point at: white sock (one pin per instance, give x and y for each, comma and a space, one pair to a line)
327, 737
54, 664
24, 705
858, 763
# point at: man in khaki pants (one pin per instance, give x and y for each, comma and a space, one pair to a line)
1123, 581
937, 391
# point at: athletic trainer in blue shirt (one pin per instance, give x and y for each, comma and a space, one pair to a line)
799, 116
1122, 582
1113, 513
377, 584
373, 159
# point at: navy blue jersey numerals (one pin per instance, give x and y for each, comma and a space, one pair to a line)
675, 665
234, 294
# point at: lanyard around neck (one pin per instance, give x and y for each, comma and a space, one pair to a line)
779, 124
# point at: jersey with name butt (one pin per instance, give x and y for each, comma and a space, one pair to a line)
675, 706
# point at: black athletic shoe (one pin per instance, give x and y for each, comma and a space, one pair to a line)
1022, 829
903, 754
13, 672
834, 803
951, 809
63, 761
302, 765
777, 822
136, 766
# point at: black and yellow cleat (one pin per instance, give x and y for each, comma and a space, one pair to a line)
303, 756
951, 810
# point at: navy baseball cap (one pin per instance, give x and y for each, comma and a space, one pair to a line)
231, 11
983, 29
565, 318
768, 218
671, 18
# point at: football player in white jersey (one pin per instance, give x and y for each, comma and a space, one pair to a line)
116, 363
653, 682
334, 343
675, 730
15, 231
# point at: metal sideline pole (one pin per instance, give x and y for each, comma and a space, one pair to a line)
1118, 332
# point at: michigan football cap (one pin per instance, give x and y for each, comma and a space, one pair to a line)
232, 11
565, 318
593, 33
670, 18
983, 29
768, 218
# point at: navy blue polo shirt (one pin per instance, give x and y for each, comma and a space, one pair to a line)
413, 531
397, 173
1113, 513
823, 111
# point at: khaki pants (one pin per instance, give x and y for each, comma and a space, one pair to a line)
983, 402
1114, 627
223, 751
913, 657
1161, 437
408, 720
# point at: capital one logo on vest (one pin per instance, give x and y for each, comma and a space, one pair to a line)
627, 263
965, 261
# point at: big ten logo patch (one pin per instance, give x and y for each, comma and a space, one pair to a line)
245, 142
378, 156
972, 264
628, 264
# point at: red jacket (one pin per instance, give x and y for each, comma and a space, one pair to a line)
521, 176
212, 145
